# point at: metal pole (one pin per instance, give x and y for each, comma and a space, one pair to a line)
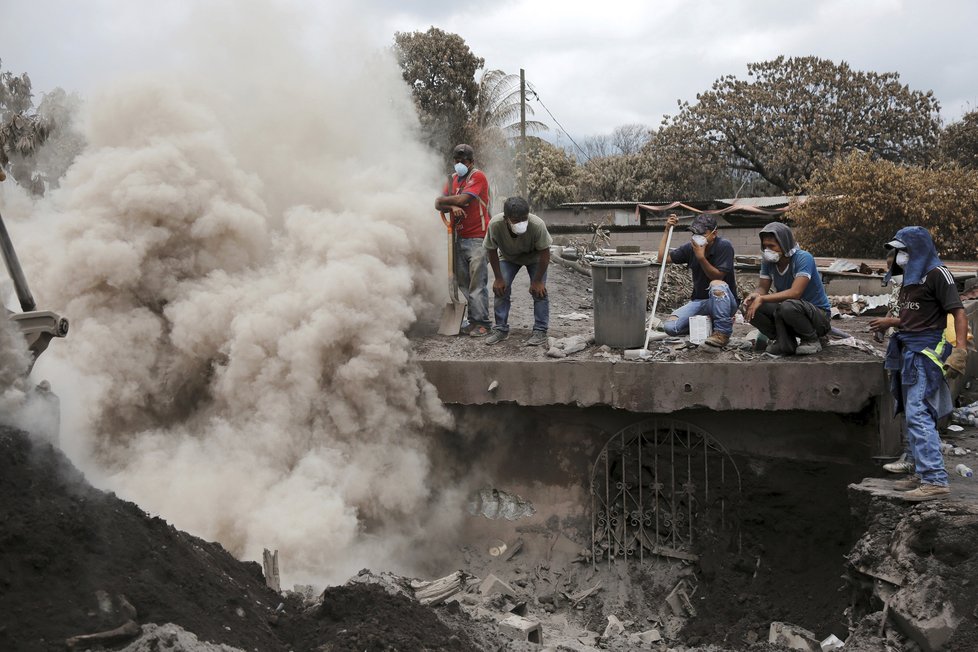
14, 269
524, 171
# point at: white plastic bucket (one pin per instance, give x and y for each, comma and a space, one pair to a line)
700, 328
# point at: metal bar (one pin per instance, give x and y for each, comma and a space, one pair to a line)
641, 506
16, 272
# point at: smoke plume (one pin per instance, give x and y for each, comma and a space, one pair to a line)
241, 248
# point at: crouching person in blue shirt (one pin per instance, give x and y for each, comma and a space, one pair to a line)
918, 357
798, 309
711, 263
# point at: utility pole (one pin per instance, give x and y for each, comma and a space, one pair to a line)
523, 166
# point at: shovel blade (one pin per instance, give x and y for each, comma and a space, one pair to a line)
451, 319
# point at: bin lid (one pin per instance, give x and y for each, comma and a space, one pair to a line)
621, 262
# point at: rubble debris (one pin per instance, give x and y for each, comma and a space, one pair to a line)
514, 549
793, 637
391, 583
565, 346
832, 642
493, 386
574, 316
270, 568
496, 503
519, 628
116, 636
172, 638
492, 585
648, 637
614, 629
861, 304
437, 591
678, 599
576, 598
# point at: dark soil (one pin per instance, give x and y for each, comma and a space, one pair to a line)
795, 532
364, 617
62, 541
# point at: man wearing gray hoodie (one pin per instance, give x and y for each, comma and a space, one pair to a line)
798, 308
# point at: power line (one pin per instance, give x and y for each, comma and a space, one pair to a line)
552, 117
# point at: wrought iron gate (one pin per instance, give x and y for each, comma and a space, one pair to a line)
654, 484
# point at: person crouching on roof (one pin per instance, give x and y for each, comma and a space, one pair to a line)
918, 357
798, 307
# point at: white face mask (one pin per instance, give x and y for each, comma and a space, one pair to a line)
700, 240
461, 169
770, 255
902, 258
519, 228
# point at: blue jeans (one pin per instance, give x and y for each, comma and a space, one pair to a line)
719, 305
923, 440
471, 274
541, 307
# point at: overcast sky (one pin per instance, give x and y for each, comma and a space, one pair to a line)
595, 65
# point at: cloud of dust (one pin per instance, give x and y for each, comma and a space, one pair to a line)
240, 249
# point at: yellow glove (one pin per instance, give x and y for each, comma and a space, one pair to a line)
956, 363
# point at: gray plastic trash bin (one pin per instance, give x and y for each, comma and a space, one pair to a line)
621, 288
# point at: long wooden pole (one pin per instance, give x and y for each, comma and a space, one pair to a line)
523, 171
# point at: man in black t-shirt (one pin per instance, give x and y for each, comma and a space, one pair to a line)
711, 262
918, 357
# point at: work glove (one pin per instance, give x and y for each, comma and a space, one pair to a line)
955, 364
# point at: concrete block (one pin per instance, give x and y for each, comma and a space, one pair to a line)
793, 637
519, 628
492, 585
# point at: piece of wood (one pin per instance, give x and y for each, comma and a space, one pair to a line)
437, 591
269, 562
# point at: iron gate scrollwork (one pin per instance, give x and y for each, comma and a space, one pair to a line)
654, 485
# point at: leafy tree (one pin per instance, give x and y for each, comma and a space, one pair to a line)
440, 68
22, 131
857, 203
959, 141
553, 174
797, 114
627, 177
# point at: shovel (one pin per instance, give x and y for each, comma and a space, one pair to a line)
642, 353
453, 313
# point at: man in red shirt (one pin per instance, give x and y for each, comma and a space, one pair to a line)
466, 197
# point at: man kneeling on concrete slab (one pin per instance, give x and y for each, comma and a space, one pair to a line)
711, 262
516, 238
798, 309
918, 356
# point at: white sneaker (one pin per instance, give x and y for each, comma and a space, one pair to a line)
900, 466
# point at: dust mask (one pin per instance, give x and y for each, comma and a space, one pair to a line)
699, 240
770, 255
902, 258
519, 228
461, 169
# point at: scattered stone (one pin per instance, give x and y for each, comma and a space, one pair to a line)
519, 628
614, 629
172, 638
833, 642
493, 386
793, 637
647, 637
565, 346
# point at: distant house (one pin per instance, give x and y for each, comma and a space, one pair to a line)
641, 223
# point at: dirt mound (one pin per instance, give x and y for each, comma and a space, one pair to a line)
69, 550
360, 617
75, 559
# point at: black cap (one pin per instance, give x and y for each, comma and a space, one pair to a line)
464, 152
703, 224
